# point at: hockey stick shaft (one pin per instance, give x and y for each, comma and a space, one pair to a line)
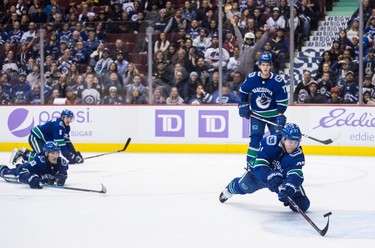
102, 191
304, 215
325, 142
107, 153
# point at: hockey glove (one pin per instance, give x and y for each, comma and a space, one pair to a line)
274, 180
243, 109
285, 190
35, 182
60, 179
79, 158
280, 120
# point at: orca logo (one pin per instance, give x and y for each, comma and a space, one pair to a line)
20, 122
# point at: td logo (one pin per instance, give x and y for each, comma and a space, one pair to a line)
20, 122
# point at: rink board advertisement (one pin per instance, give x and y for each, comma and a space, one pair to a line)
205, 128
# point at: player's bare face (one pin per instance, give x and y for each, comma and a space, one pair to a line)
67, 120
290, 145
52, 157
265, 69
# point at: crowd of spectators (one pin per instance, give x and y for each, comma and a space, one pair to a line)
81, 66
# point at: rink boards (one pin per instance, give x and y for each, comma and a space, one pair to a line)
191, 129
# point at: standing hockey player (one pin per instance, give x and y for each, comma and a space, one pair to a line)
47, 167
278, 167
55, 130
263, 94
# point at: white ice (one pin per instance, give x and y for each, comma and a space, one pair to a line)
171, 200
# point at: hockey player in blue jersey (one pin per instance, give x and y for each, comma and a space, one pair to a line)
55, 130
278, 167
263, 94
47, 167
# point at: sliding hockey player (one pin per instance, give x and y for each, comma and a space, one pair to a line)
55, 130
278, 167
263, 94
47, 167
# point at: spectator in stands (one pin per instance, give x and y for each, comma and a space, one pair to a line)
121, 64
308, 17
35, 75
325, 85
16, 34
302, 89
280, 47
341, 68
53, 3
233, 61
140, 24
102, 66
276, 20
130, 72
177, 81
90, 95
313, 95
64, 62
78, 87
174, 97
369, 61
344, 42
349, 89
157, 96
211, 56
200, 96
193, 30
213, 84
119, 46
4, 97
212, 29
61, 85
250, 27
183, 59
353, 29
10, 62
188, 13
367, 99
161, 44
113, 98
177, 22
368, 86
170, 55
79, 53
335, 96
202, 42
21, 89
92, 42
72, 75
136, 92
367, 9
227, 95
30, 34
71, 97
54, 95
40, 16
113, 81
202, 69
229, 42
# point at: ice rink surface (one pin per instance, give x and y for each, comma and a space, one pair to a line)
171, 200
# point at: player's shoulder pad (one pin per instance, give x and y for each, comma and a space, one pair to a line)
277, 78
252, 74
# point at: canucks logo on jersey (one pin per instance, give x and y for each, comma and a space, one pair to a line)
263, 102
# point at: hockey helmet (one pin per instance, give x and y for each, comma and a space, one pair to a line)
67, 112
265, 58
291, 131
51, 146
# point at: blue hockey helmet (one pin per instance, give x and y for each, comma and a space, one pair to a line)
265, 58
67, 112
291, 131
51, 146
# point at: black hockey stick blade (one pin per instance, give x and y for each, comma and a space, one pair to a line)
107, 153
102, 191
304, 215
325, 142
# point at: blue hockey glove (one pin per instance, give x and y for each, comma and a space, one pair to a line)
35, 182
285, 190
274, 180
280, 121
243, 109
60, 179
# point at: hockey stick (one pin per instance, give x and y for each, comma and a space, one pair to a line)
325, 142
123, 149
321, 232
102, 191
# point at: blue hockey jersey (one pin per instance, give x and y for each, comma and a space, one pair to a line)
268, 97
272, 157
55, 130
41, 167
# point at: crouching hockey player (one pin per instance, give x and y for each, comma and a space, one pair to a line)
47, 167
278, 167
55, 130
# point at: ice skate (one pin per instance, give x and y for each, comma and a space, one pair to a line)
16, 155
225, 195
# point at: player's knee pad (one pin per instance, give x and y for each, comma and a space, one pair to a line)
303, 203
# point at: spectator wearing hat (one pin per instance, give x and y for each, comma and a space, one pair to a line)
350, 90
113, 98
335, 96
368, 86
121, 63
227, 96
280, 47
276, 20
102, 66
119, 46
21, 89
248, 49
313, 96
